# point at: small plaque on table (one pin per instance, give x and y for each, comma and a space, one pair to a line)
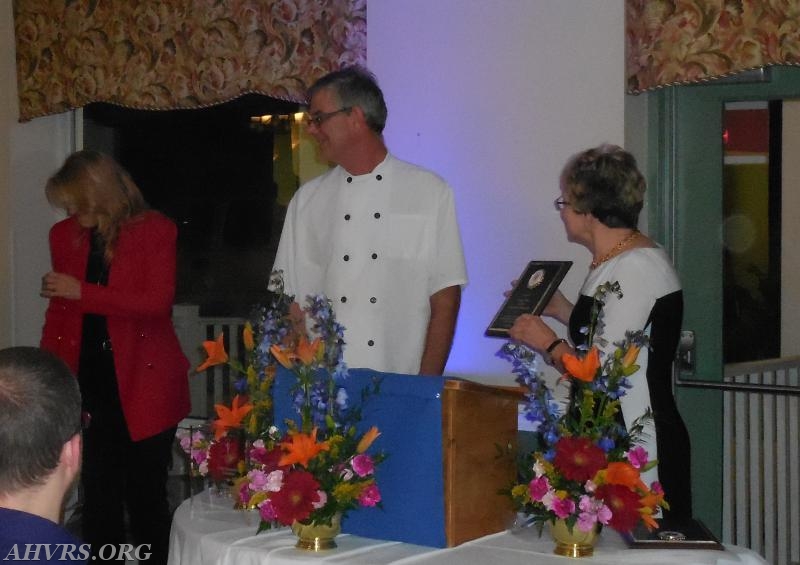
674, 534
533, 291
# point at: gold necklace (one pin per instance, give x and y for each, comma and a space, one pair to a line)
615, 250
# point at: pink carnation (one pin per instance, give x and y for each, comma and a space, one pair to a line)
274, 481
258, 480
244, 493
363, 465
592, 511
370, 496
538, 487
199, 455
638, 457
323, 499
258, 452
563, 507
267, 511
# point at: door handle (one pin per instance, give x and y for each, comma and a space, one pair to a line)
686, 360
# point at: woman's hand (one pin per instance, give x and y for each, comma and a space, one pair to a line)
532, 331
559, 308
59, 285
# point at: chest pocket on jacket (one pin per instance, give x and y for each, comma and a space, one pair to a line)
405, 236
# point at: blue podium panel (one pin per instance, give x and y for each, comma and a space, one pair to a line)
408, 413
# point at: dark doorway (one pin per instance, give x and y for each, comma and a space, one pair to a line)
211, 171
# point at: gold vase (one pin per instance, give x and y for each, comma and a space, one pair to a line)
317, 537
573, 543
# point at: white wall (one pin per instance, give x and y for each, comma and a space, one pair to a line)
493, 95
7, 110
31, 153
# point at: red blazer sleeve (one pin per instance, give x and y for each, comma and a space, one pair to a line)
69, 253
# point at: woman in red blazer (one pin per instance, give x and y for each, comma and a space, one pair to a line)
111, 291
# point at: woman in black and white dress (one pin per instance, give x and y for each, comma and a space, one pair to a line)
602, 192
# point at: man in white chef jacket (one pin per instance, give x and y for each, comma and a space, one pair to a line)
376, 235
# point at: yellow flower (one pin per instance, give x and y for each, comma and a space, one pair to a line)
367, 439
257, 498
348, 491
216, 354
630, 356
247, 337
521, 492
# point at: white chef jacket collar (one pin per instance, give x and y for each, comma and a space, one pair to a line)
380, 170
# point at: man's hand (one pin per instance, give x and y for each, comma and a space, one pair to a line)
441, 327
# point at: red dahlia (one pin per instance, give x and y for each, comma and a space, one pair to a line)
624, 505
295, 501
578, 459
223, 458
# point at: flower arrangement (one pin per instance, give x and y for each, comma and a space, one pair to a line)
220, 453
318, 467
587, 470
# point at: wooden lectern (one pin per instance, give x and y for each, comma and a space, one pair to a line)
479, 431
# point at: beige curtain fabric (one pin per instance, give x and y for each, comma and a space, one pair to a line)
688, 41
169, 54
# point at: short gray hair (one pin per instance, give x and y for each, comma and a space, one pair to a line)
605, 182
356, 86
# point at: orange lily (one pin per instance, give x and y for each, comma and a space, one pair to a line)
630, 356
367, 439
230, 417
625, 474
301, 448
647, 517
284, 356
216, 354
306, 352
651, 500
583, 369
247, 337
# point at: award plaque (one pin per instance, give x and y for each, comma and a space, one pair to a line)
533, 290
684, 533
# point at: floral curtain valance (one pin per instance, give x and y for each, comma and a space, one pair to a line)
155, 54
672, 42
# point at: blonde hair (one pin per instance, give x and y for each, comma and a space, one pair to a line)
90, 182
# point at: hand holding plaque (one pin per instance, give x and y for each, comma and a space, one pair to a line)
533, 291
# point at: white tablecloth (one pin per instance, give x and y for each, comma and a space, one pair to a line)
206, 531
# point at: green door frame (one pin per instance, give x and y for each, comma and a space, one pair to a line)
685, 214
